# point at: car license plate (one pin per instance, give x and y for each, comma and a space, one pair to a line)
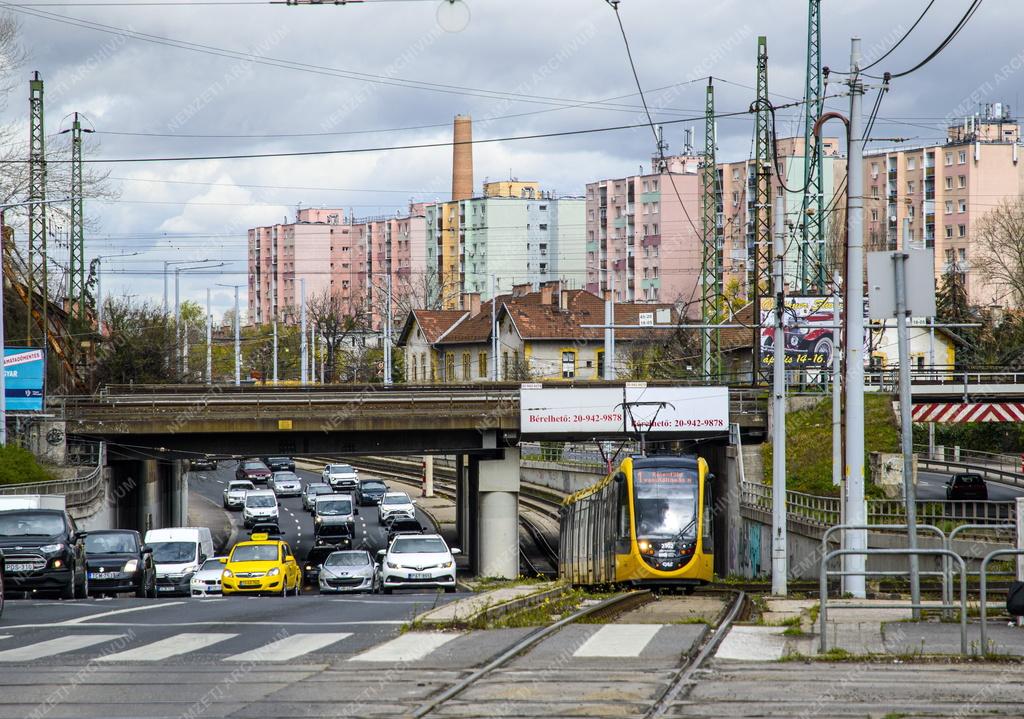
249, 584
97, 575
165, 589
19, 567
419, 575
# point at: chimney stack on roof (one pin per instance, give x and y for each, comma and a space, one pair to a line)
547, 294
471, 303
563, 302
462, 158
522, 289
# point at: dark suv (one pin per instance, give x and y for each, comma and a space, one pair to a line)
966, 486
119, 562
279, 464
43, 551
370, 492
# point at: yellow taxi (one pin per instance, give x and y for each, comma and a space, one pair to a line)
261, 566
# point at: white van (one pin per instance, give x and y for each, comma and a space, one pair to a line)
178, 552
260, 506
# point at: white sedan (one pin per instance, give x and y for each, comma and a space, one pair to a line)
421, 560
206, 581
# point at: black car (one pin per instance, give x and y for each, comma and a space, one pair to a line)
253, 470
338, 536
311, 567
271, 529
1, 583
403, 525
43, 552
118, 561
966, 486
370, 491
280, 464
204, 463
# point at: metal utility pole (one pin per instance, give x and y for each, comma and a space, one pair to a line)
856, 509
387, 334
837, 420
763, 199
811, 269
37, 262
303, 349
209, 339
76, 242
238, 342
495, 375
711, 270
609, 330
780, 564
312, 352
906, 424
275, 351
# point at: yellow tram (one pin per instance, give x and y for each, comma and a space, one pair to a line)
648, 522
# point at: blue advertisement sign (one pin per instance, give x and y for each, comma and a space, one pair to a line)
24, 372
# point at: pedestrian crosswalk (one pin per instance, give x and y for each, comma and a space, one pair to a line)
268, 645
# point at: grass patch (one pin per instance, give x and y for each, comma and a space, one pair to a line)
537, 615
19, 466
808, 468
787, 622
486, 584
794, 630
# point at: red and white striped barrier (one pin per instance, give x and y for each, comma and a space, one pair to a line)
968, 412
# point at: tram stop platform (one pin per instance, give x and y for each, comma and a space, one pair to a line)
860, 632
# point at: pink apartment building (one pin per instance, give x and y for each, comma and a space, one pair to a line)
943, 190
350, 257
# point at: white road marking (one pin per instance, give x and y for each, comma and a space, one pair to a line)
169, 647
618, 640
764, 644
59, 645
88, 617
409, 647
223, 623
5, 636
289, 647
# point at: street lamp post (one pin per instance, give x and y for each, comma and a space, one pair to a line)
99, 285
177, 307
238, 338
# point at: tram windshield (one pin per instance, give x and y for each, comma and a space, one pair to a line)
665, 502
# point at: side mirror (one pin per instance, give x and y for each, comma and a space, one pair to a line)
146, 549
289, 558
412, 501
223, 560
382, 553
355, 511
202, 558
455, 550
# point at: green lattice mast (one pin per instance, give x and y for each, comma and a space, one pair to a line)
711, 270
37, 269
812, 245
762, 198
76, 268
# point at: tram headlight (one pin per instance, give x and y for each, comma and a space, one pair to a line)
645, 547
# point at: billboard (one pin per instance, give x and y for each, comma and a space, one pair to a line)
24, 371
614, 410
807, 332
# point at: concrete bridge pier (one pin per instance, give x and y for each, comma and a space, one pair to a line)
497, 547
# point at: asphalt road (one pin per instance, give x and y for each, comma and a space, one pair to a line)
932, 485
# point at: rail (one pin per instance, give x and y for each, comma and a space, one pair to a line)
825, 573
947, 570
984, 591
78, 491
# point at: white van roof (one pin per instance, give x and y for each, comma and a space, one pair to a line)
260, 493
178, 534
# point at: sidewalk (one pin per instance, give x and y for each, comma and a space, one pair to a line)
204, 512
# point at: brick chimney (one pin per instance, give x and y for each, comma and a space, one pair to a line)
471, 303
522, 289
462, 158
563, 300
547, 294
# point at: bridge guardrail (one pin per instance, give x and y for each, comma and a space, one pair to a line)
993, 473
78, 491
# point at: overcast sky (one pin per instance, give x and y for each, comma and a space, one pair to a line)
365, 71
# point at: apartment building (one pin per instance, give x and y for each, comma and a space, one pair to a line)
515, 232
934, 196
350, 257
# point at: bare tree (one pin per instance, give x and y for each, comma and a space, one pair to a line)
999, 237
335, 319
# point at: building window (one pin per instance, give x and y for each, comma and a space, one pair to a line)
655, 226
961, 157
654, 208
949, 183
415, 369
910, 212
874, 169
467, 371
961, 230
910, 163
910, 188
949, 158
504, 365
423, 367
961, 254
654, 185
962, 206
599, 364
645, 186
449, 366
949, 231
949, 257
874, 215
961, 181
874, 190
568, 364
481, 365
543, 226
949, 207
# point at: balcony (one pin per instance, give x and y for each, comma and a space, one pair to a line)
650, 241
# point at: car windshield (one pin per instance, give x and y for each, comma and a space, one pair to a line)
211, 565
285, 477
255, 553
119, 543
260, 500
254, 465
970, 479
279, 460
405, 526
341, 469
665, 501
427, 545
396, 499
347, 559
240, 486
30, 524
318, 489
371, 484
173, 552
333, 507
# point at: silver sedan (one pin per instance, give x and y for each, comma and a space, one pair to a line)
349, 571
286, 484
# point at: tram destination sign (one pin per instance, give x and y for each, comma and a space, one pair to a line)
617, 410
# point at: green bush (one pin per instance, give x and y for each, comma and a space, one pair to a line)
809, 445
18, 466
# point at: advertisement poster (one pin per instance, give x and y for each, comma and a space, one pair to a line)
24, 370
807, 332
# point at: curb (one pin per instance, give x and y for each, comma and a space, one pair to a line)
492, 612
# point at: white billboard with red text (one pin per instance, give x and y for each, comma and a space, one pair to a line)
629, 409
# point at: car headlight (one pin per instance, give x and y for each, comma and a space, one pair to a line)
318, 520
445, 565
392, 565
274, 572
227, 573
51, 548
131, 565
